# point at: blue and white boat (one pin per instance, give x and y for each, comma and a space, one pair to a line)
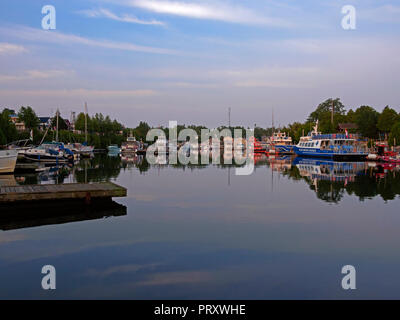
329, 146
281, 143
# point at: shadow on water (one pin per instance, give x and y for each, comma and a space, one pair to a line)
35, 215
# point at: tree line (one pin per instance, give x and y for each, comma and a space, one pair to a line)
102, 131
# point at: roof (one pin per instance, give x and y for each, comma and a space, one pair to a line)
348, 125
44, 119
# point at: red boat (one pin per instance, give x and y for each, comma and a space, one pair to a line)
385, 154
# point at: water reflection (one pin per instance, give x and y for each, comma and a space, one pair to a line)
330, 180
197, 231
28, 216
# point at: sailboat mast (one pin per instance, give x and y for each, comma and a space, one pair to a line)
273, 129
86, 121
57, 114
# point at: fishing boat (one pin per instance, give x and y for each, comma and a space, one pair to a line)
330, 146
8, 159
281, 143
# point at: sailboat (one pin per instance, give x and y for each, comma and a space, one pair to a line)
50, 152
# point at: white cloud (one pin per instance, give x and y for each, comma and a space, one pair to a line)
105, 13
208, 10
36, 75
9, 48
80, 93
386, 14
39, 35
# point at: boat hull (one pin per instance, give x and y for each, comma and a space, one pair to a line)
45, 158
328, 154
285, 149
8, 159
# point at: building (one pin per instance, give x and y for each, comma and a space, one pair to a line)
347, 126
20, 125
45, 122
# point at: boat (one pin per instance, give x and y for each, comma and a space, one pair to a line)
258, 147
21, 146
330, 146
161, 145
80, 148
382, 152
131, 145
8, 159
281, 143
53, 152
114, 149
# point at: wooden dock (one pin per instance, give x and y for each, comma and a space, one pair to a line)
57, 192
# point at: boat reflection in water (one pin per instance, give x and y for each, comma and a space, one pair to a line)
331, 180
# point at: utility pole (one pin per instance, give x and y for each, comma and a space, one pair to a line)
333, 110
229, 117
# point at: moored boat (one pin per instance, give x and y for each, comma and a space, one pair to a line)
8, 159
281, 143
113, 148
49, 153
330, 146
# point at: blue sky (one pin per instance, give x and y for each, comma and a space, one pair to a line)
188, 60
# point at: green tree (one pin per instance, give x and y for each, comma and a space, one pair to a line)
29, 117
387, 119
367, 119
62, 125
323, 114
325, 108
394, 137
7, 128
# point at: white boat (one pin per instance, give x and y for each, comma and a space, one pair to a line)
131, 145
281, 142
8, 159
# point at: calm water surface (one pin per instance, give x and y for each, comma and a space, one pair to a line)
201, 232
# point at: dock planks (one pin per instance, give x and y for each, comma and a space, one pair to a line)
67, 191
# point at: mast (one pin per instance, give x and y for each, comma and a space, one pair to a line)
86, 121
229, 117
273, 129
57, 115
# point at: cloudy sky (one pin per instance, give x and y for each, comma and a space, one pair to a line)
190, 60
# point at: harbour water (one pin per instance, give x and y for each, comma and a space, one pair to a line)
202, 232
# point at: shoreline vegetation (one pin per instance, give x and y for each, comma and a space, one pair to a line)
102, 131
